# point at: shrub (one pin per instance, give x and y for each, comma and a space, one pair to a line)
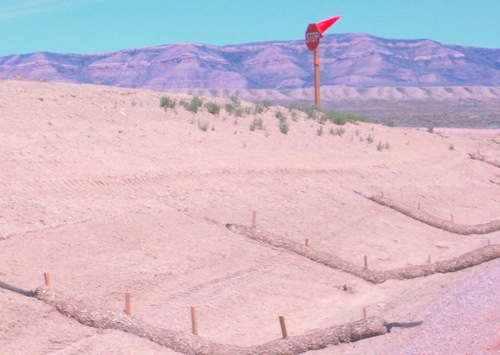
258, 109
265, 103
167, 102
319, 131
213, 108
235, 100
230, 109
279, 115
311, 112
339, 131
284, 127
193, 105
390, 124
203, 125
257, 123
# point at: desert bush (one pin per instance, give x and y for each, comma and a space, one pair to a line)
369, 139
339, 131
230, 109
281, 116
390, 124
284, 128
203, 125
257, 124
340, 118
319, 131
194, 105
167, 102
258, 109
212, 108
235, 100
311, 112
265, 103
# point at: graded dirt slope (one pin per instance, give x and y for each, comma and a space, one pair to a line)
110, 194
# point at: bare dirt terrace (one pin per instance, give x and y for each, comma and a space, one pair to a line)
112, 194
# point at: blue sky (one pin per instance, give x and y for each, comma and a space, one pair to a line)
97, 26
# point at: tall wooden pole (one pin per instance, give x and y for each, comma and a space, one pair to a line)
317, 98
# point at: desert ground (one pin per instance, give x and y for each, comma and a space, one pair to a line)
111, 194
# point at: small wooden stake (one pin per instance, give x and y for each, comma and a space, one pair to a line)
283, 327
46, 275
127, 304
194, 321
382, 194
254, 219
307, 242
366, 262
365, 314
451, 215
429, 260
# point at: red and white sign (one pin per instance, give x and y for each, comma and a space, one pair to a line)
313, 36
315, 31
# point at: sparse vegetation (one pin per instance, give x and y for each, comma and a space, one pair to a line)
369, 139
203, 125
381, 146
338, 131
167, 102
430, 129
390, 124
235, 100
451, 147
340, 118
257, 124
194, 105
319, 131
281, 116
213, 108
265, 103
284, 128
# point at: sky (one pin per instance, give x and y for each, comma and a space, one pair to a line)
100, 26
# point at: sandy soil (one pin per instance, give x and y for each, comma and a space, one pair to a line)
110, 193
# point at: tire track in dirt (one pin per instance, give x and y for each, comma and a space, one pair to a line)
147, 184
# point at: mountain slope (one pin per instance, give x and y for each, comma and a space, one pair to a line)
347, 59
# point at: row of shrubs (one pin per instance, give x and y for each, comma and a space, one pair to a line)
235, 108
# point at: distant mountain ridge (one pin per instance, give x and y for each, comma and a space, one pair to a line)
355, 59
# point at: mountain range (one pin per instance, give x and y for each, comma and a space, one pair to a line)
355, 59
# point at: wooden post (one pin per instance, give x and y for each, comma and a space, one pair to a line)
366, 262
365, 313
451, 215
429, 260
48, 283
254, 219
283, 327
307, 242
127, 304
194, 321
317, 86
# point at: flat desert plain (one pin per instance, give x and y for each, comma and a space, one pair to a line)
111, 194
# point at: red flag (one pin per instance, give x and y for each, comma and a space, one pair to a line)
326, 24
